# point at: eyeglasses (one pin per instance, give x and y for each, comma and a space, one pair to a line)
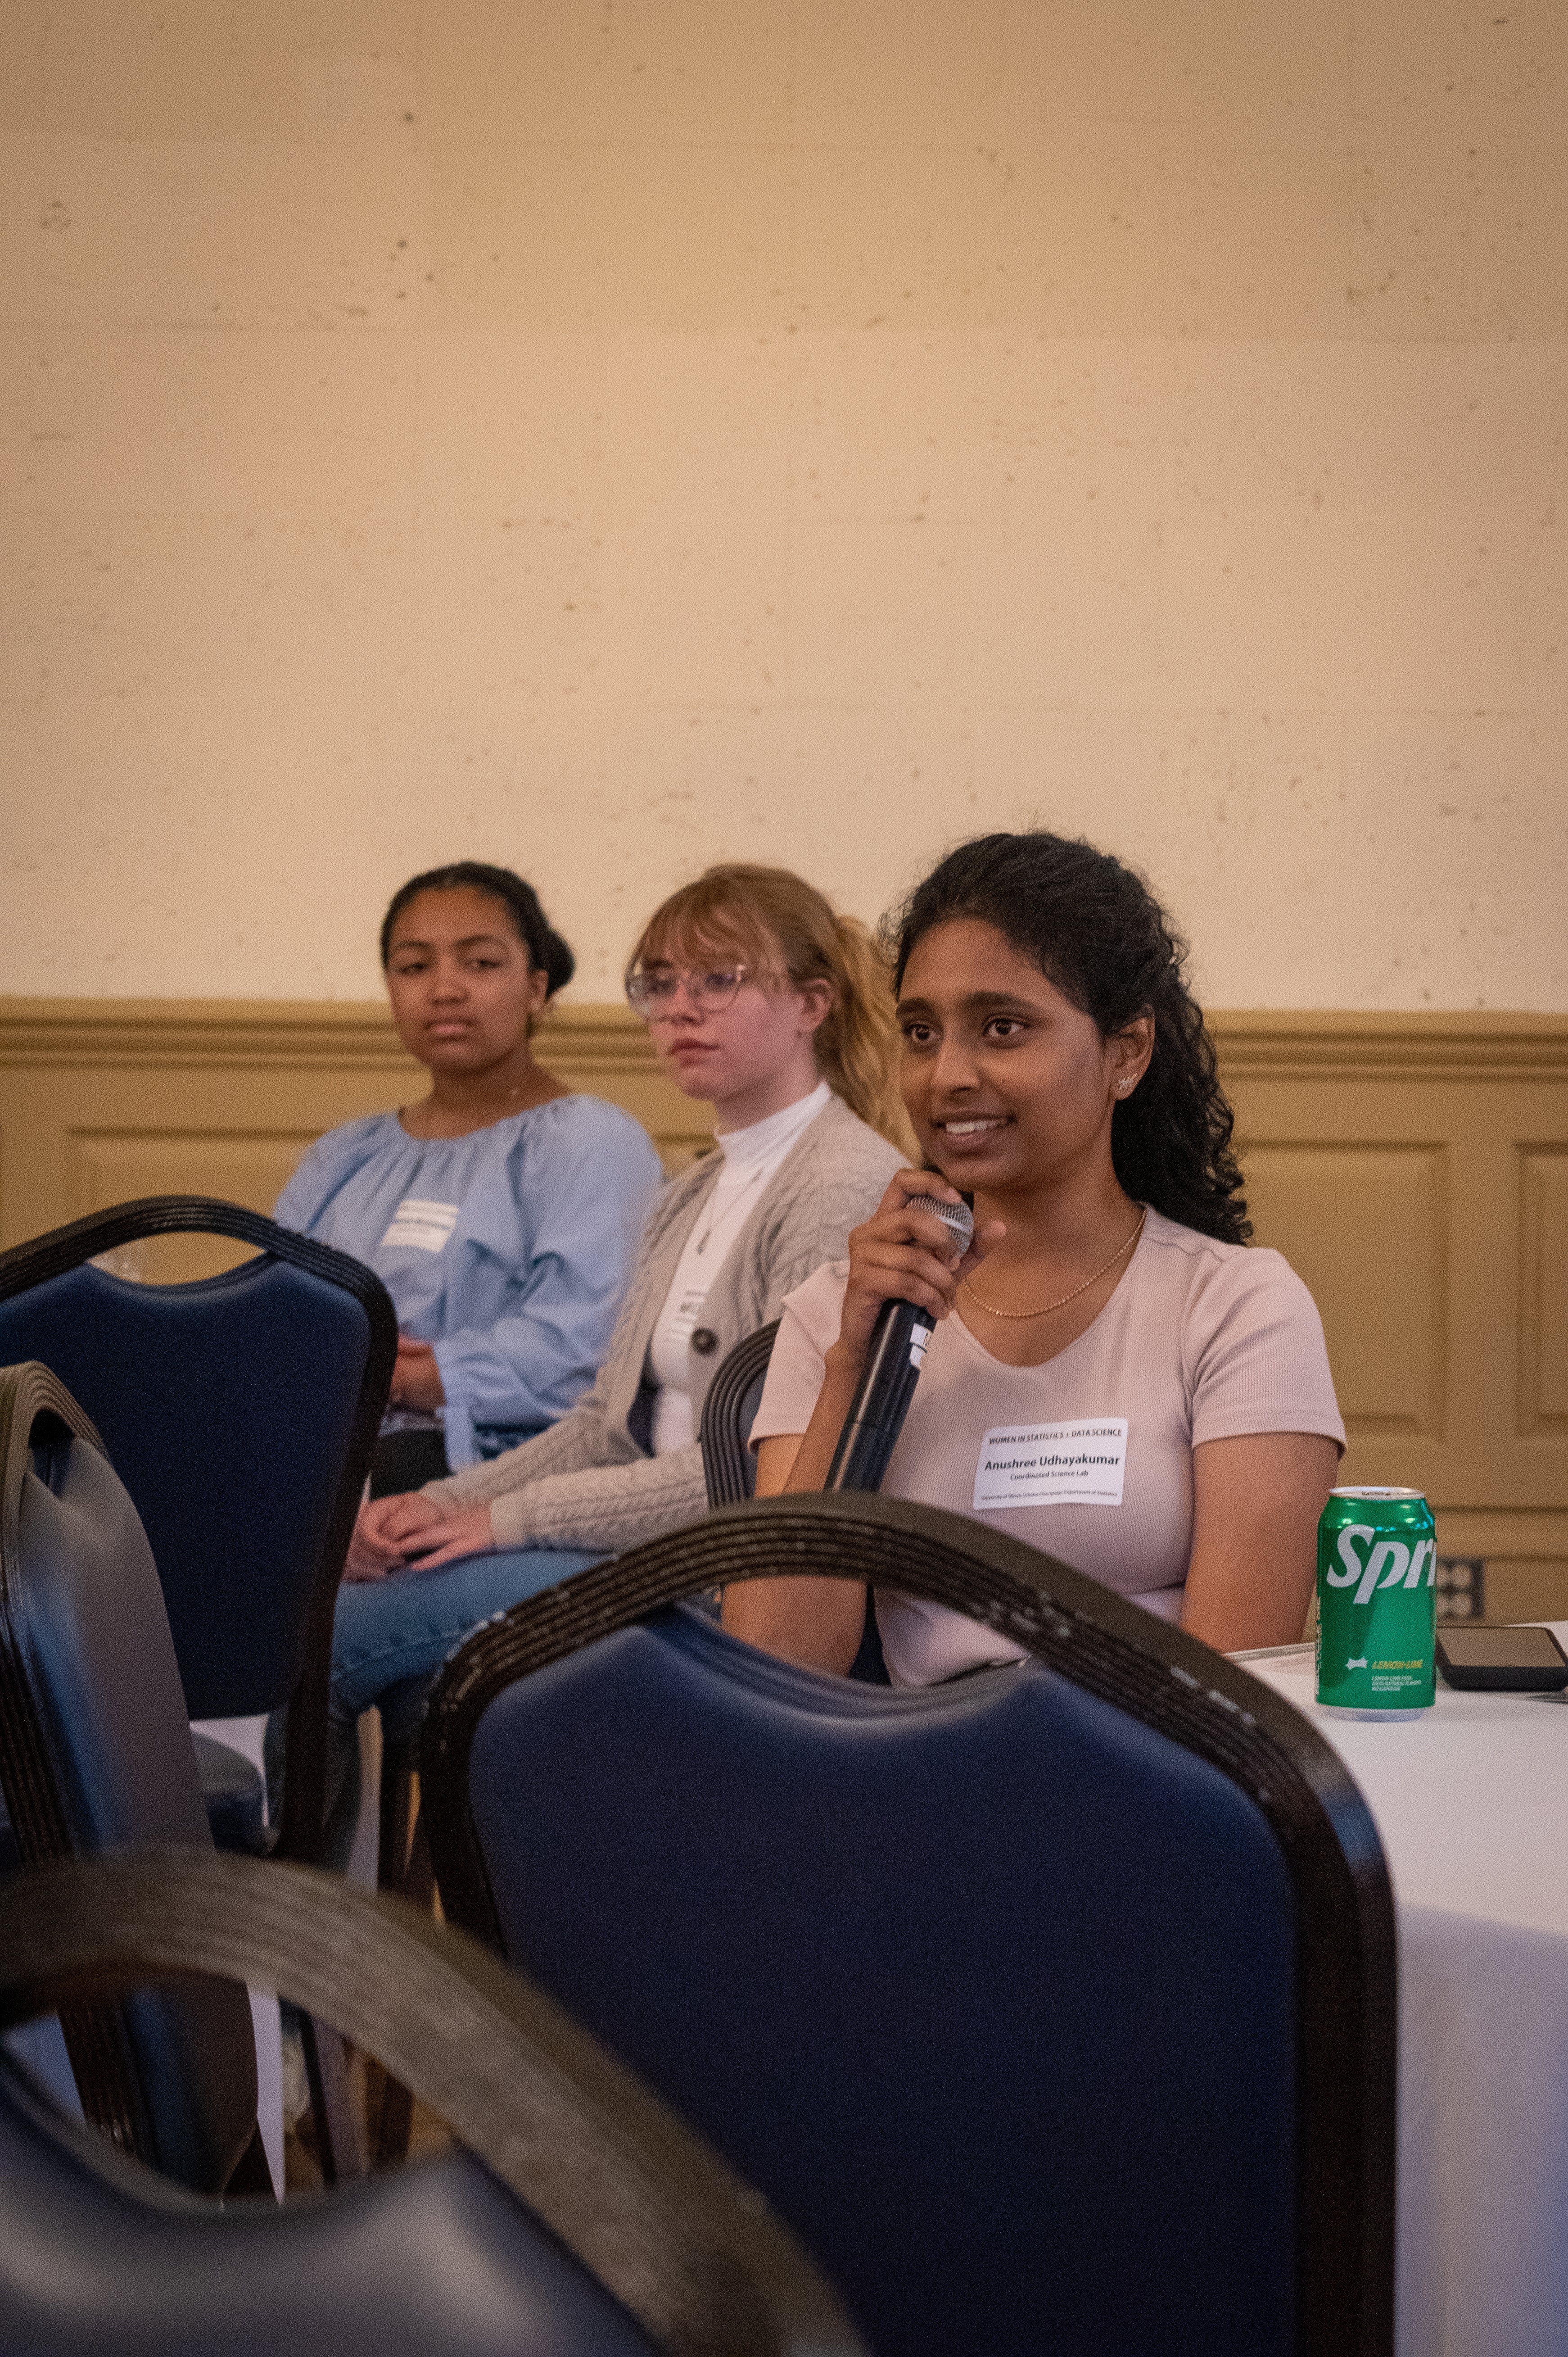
709, 988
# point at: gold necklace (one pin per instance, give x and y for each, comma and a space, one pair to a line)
1062, 1304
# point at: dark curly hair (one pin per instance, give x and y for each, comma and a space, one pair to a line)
1096, 931
547, 952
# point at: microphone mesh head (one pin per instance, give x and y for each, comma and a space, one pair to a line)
957, 1217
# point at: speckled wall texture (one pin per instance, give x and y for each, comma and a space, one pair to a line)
611, 435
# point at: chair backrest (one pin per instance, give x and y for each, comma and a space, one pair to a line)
95, 1756
1052, 2007
729, 1411
240, 1413
581, 2219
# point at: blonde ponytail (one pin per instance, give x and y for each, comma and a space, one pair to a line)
773, 917
857, 1047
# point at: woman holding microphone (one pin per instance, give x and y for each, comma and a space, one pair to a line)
1114, 1377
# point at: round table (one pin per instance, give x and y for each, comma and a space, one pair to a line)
1471, 1801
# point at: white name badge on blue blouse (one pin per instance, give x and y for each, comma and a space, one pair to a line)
1079, 1464
425, 1226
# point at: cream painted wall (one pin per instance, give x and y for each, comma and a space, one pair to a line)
611, 435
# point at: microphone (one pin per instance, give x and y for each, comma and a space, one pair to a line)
887, 1380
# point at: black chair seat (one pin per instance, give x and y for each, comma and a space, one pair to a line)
579, 2218
235, 1796
231, 1788
439, 2256
402, 1713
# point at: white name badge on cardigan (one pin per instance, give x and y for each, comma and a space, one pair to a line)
425, 1226
683, 1319
1079, 1464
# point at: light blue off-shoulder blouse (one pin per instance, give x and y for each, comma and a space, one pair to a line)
507, 1249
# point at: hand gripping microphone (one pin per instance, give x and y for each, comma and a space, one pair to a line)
892, 1370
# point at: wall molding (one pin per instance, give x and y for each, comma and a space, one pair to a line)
341, 1034
277, 1033
1355, 1046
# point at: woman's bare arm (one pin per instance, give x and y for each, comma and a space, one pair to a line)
901, 1253
1256, 1501
816, 1623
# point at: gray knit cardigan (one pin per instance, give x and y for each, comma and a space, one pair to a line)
587, 1481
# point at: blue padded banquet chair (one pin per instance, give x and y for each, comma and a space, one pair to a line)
1053, 2008
240, 1413
96, 1755
577, 2217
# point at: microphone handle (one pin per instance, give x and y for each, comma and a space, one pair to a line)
882, 1396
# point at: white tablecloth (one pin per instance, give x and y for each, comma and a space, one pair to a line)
1472, 1805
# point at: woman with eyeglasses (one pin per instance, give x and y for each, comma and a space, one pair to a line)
776, 1011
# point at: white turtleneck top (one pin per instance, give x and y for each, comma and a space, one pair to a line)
750, 1156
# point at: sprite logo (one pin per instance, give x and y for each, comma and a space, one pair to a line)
1389, 1563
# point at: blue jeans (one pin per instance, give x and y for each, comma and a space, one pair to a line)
388, 1632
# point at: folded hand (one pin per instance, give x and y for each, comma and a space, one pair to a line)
467, 1532
411, 1528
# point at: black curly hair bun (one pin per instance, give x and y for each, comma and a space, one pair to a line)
547, 952
1095, 930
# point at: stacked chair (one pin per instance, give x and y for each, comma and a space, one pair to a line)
95, 1755
1052, 2008
240, 1413
578, 2219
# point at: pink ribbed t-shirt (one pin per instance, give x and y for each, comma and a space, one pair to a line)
1090, 1456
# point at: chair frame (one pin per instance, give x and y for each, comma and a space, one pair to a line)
1347, 1992
636, 2196
35, 1407
29, 1265
726, 1452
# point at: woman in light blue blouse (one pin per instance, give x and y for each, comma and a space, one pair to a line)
503, 1211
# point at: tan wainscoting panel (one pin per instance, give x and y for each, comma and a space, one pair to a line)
1544, 1293
1366, 1226
1413, 1168
105, 1166
104, 1099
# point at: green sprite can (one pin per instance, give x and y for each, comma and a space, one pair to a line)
1376, 1603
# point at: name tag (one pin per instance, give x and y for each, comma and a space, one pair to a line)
1079, 1464
687, 1311
425, 1226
